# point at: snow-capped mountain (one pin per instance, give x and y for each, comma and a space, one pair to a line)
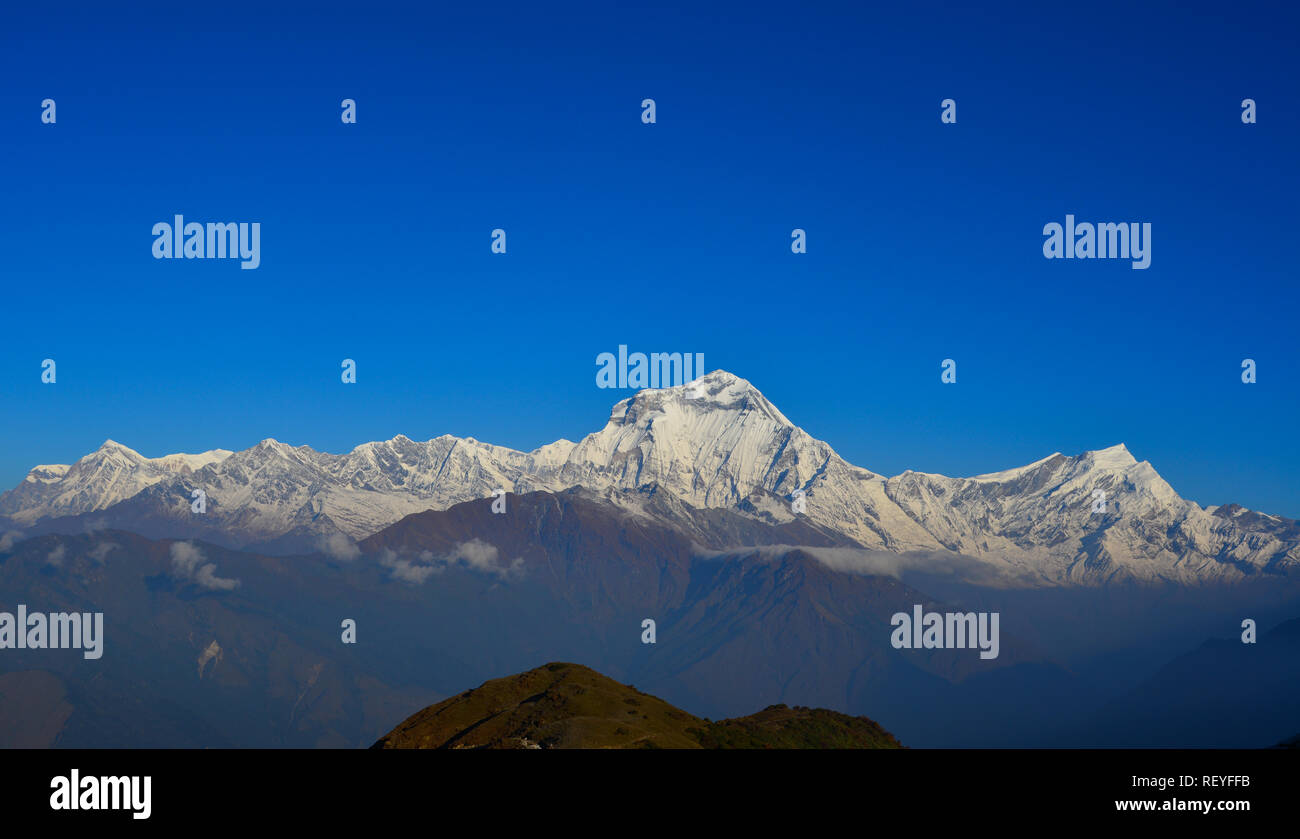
716, 442
110, 474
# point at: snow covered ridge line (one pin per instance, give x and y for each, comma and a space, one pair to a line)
673, 455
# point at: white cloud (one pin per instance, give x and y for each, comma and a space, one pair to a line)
188, 566
101, 551
415, 574
478, 555
337, 546
932, 564
475, 555
406, 570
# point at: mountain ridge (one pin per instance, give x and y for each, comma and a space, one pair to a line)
563, 705
715, 442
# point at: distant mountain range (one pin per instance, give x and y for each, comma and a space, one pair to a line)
714, 444
568, 706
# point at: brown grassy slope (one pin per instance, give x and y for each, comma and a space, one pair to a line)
782, 727
568, 706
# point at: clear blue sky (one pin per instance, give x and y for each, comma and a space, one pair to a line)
924, 239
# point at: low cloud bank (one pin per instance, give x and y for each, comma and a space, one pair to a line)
474, 555
952, 567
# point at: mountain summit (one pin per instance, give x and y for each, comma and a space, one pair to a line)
568, 706
715, 442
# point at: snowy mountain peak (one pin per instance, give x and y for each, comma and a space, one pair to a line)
113, 452
190, 462
273, 447
111, 448
1009, 475
725, 391
715, 442
1085, 467
1114, 457
47, 473
718, 391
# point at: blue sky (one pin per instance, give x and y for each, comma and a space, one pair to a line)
924, 239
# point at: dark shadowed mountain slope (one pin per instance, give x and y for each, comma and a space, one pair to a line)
202, 647
736, 629
1222, 694
568, 706
447, 599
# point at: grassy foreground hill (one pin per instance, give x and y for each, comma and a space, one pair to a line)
568, 706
